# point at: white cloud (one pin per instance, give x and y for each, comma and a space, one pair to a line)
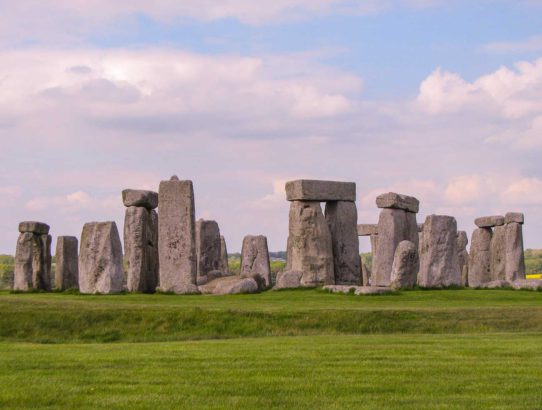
531, 44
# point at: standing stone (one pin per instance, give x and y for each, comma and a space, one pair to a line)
224, 267
67, 263
100, 259
309, 247
365, 274
463, 256
342, 220
207, 247
405, 266
480, 257
22, 276
255, 259
439, 264
154, 262
177, 237
515, 258
140, 249
43, 275
392, 226
497, 264
374, 244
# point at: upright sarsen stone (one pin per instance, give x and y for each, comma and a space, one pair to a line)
100, 259
309, 247
439, 264
515, 258
405, 266
224, 267
342, 220
67, 263
497, 264
255, 259
177, 237
463, 256
22, 276
480, 257
207, 247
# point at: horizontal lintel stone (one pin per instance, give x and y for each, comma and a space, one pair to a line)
367, 229
489, 221
315, 190
398, 201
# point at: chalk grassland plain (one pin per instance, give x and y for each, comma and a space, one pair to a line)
289, 349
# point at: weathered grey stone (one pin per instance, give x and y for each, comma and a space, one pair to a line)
515, 258
224, 266
365, 274
480, 257
489, 221
516, 217
22, 276
342, 220
288, 280
100, 259
45, 275
230, 285
320, 191
367, 229
207, 247
358, 290
411, 233
138, 197
405, 266
495, 284
497, 263
255, 258
463, 256
177, 237
398, 201
420, 228
392, 229
374, 245
39, 228
528, 284
67, 263
140, 249
439, 264
309, 244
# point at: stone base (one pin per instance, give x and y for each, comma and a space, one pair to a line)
229, 285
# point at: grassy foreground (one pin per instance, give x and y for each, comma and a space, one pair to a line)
290, 349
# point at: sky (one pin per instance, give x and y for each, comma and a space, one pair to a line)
437, 99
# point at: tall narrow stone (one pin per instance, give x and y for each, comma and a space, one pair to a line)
67, 263
22, 276
255, 259
480, 257
224, 267
42, 270
342, 219
463, 256
100, 259
152, 246
515, 258
405, 266
177, 237
309, 244
439, 264
498, 253
207, 247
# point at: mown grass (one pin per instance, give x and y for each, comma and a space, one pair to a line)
321, 372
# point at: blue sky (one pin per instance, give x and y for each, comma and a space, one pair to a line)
433, 98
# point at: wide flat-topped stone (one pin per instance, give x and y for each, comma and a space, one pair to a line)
398, 201
141, 198
39, 228
367, 229
516, 217
489, 221
315, 190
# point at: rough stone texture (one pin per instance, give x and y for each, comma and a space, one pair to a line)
224, 267
495, 284
463, 256
22, 276
141, 249
32, 262
374, 244
255, 258
420, 228
405, 266
45, 264
39, 228
529, 284
207, 247
497, 263
365, 275
358, 290
517, 217
515, 258
138, 197
177, 237
480, 257
342, 220
67, 263
320, 191
398, 201
439, 264
230, 285
367, 229
100, 259
309, 244
288, 280
489, 221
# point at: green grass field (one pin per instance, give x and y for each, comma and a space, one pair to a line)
290, 349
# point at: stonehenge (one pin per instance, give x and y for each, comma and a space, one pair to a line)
67, 263
405, 266
208, 249
141, 240
463, 256
255, 260
100, 259
33, 257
